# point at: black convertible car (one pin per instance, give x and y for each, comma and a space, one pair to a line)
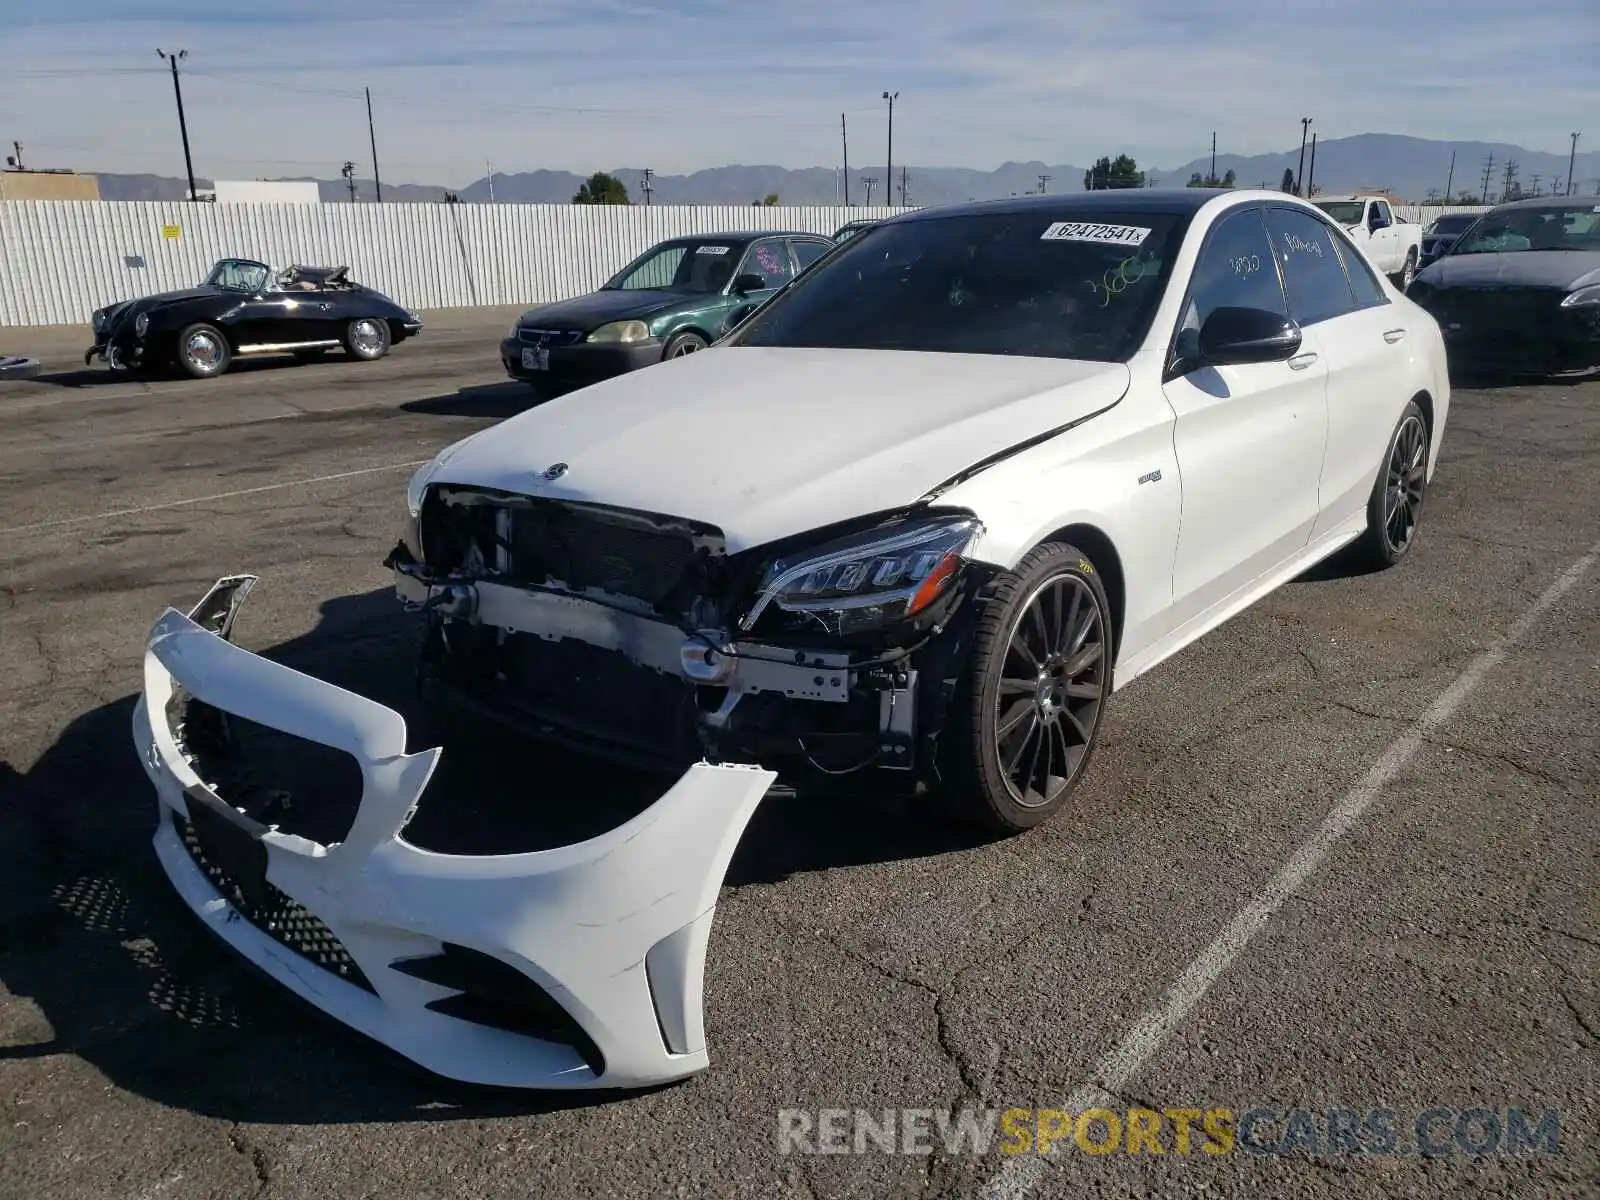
1519, 292
244, 308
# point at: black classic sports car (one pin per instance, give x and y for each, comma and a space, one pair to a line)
245, 308
1520, 290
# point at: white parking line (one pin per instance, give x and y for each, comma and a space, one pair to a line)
1150, 1033
254, 491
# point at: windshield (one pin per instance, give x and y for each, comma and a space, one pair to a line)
694, 265
238, 275
1023, 283
1558, 227
1346, 212
1453, 223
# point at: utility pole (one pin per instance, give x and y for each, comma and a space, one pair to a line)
1211, 179
349, 173
1572, 158
488, 173
372, 136
1044, 179
1311, 179
17, 161
868, 182
1305, 129
1488, 173
844, 142
1535, 182
905, 187
647, 186
1510, 178
1450, 180
889, 166
183, 126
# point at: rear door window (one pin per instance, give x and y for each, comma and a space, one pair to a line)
1313, 272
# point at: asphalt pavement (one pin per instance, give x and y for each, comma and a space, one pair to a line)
1340, 854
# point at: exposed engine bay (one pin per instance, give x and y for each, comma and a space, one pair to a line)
638, 636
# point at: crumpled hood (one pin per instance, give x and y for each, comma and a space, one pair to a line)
1565, 269
590, 312
765, 442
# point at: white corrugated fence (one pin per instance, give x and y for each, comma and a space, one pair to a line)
62, 259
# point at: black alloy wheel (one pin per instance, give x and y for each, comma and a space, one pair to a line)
1027, 715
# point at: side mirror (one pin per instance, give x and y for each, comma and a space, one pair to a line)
749, 282
1248, 335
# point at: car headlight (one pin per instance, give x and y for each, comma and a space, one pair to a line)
141, 325
625, 332
516, 328
424, 476
872, 579
1583, 297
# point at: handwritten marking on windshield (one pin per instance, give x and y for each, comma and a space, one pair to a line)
1115, 281
1245, 265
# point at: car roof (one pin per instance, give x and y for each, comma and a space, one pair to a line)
1545, 202
1169, 201
742, 235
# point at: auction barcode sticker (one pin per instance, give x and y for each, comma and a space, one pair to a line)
1089, 231
712, 250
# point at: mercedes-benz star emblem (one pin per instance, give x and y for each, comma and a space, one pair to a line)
555, 470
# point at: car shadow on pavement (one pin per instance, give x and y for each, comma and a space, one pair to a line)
102, 962
93, 377
495, 400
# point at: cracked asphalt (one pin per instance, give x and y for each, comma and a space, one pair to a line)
1444, 955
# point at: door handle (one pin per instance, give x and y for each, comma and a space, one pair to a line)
324, 307
1301, 361
1393, 335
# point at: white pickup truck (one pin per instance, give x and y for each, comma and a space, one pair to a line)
1391, 244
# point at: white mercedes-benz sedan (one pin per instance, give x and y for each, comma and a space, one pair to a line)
919, 514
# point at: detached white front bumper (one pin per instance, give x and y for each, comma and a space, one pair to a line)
578, 967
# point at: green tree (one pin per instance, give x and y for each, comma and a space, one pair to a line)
770, 200
1227, 180
601, 188
1121, 172
1471, 198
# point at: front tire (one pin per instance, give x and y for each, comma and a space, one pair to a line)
203, 352
1026, 715
1395, 507
366, 338
688, 342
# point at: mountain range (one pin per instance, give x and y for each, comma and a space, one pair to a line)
1406, 167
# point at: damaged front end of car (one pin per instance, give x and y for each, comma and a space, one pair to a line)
574, 967
638, 636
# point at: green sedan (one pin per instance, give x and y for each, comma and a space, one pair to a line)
670, 301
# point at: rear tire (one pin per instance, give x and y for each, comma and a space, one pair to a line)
1394, 510
1408, 272
367, 338
1026, 715
202, 351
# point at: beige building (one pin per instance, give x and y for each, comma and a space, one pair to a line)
48, 185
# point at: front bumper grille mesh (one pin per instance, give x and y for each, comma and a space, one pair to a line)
281, 917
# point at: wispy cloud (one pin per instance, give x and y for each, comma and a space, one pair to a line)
583, 84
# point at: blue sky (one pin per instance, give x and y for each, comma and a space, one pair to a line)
275, 88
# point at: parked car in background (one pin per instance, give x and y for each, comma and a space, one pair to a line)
1520, 290
1441, 234
673, 300
849, 230
1393, 245
243, 309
